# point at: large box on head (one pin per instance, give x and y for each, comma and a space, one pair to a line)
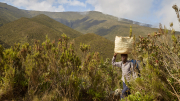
123, 45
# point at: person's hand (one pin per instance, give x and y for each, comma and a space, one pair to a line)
115, 54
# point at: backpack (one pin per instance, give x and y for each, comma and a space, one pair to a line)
136, 68
135, 63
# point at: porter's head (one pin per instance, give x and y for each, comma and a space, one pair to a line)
124, 58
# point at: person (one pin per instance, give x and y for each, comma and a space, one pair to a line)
127, 70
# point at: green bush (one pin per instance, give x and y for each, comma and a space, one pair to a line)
54, 72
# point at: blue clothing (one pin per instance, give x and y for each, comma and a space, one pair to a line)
125, 91
135, 62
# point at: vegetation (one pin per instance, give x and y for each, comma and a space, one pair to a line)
65, 71
97, 44
50, 72
160, 72
55, 72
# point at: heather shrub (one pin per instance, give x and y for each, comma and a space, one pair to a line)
160, 71
54, 72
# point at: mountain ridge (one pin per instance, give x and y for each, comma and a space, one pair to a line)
96, 22
10, 13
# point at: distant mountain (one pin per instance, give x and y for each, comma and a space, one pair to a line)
135, 22
9, 13
26, 30
85, 22
96, 22
97, 43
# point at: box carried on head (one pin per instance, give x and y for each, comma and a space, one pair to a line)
123, 45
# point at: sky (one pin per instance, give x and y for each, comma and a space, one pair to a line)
145, 11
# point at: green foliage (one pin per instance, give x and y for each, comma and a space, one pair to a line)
84, 47
138, 97
160, 56
54, 72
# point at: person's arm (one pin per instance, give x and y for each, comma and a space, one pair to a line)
118, 64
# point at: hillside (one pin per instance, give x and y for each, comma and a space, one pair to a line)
96, 22
5, 45
9, 13
26, 30
85, 22
51, 23
97, 44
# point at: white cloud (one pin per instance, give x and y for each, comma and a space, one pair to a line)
145, 11
168, 14
72, 2
45, 5
39, 5
131, 9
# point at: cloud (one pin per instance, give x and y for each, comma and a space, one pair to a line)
145, 11
45, 5
42, 6
131, 9
168, 15
39, 5
72, 2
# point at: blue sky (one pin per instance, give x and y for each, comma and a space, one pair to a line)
145, 11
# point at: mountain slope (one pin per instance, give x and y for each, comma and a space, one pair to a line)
5, 45
47, 21
85, 22
26, 30
96, 22
9, 13
97, 43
